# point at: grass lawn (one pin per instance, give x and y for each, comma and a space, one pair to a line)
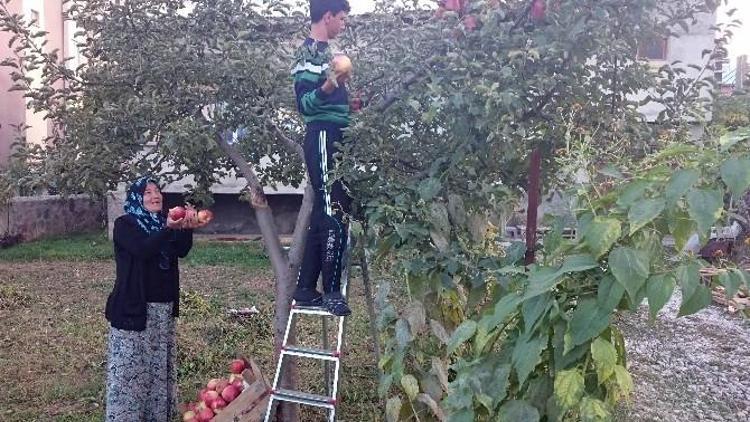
53, 345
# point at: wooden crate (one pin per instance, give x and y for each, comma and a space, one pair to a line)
250, 405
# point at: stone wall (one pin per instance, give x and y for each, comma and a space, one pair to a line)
34, 217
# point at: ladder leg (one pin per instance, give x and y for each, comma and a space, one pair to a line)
268, 410
332, 415
326, 363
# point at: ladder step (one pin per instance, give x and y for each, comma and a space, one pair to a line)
310, 310
311, 353
304, 398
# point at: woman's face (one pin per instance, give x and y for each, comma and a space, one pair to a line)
152, 198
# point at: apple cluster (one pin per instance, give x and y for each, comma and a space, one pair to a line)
217, 394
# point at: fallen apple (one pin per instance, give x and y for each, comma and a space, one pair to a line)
237, 366
188, 416
230, 393
177, 213
204, 216
341, 64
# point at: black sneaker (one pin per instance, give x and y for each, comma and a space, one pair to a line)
316, 302
336, 305
307, 297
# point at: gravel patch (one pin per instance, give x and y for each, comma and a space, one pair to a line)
694, 368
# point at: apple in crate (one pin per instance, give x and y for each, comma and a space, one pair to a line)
230, 393
205, 415
237, 366
211, 395
189, 416
218, 404
211, 385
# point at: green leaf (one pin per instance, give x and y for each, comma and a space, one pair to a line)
517, 411
568, 388
731, 138
705, 206
410, 386
601, 234
503, 308
587, 321
732, 280
630, 268
392, 409
594, 410
689, 278
609, 294
700, 299
403, 334
463, 332
643, 212
659, 289
624, 380
605, 358
682, 227
680, 182
428, 188
533, 309
526, 355
433, 406
633, 192
542, 279
736, 175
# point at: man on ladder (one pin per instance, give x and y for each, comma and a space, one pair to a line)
323, 101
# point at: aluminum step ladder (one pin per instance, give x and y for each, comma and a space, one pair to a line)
325, 355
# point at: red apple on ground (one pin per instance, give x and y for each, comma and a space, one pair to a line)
188, 416
230, 393
237, 366
177, 213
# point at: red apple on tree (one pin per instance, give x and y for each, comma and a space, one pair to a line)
538, 9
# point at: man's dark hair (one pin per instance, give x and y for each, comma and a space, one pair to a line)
318, 8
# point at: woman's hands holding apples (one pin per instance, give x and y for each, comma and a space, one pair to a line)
188, 217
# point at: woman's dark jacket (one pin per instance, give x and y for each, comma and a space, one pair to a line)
147, 271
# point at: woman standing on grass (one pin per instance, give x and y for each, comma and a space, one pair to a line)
142, 307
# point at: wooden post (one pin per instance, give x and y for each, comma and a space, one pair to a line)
535, 166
